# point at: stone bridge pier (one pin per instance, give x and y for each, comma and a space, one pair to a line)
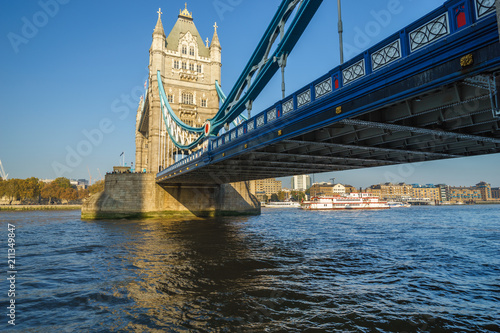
139, 196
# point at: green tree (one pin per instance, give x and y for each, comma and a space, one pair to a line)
281, 196
297, 196
274, 197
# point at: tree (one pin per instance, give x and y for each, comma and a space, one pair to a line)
83, 193
31, 188
50, 191
2, 187
297, 195
62, 182
274, 197
281, 196
97, 187
69, 194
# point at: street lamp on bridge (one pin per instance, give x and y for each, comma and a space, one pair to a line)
341, 30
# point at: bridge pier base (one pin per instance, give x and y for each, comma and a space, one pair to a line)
138, 196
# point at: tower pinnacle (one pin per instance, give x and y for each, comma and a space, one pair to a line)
215, 38
159, 25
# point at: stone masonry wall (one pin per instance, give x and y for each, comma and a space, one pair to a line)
138, 195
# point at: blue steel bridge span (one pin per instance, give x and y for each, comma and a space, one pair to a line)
425, 93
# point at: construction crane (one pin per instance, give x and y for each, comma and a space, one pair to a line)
99, 173
2, 172
90, 177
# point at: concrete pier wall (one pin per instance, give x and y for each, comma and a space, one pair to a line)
138, 195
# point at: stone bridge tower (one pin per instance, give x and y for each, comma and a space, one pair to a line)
189, 68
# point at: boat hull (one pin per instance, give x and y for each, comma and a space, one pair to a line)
346, 208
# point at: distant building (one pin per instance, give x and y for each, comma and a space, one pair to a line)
391, 191
268, 186
326, 189
444, 191
430, 192
464, 194
350, 189
495, 193
301, 183
83, 182
485, 190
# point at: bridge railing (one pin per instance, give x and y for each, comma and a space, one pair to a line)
451, 17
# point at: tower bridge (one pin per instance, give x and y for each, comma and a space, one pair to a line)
427, 92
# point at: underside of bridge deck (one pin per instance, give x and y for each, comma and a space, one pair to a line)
452, 121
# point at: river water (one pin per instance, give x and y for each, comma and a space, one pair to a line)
419, 269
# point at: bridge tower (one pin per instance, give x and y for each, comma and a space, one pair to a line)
189, 68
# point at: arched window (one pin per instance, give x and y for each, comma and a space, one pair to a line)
187, 98
191, 51
184, 49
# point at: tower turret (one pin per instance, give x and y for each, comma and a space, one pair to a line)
157, 51
215, 56
189, 69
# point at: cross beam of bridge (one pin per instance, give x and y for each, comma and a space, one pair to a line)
436, 133
298, 143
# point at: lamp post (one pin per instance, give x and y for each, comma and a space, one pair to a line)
341, 30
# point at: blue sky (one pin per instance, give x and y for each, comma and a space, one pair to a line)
72, 68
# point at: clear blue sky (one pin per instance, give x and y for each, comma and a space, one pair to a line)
66, 70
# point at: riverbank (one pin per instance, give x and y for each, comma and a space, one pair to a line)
39, 207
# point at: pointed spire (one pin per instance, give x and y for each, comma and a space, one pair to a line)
215, 38
159, 25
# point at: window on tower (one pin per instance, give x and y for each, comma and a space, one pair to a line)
191, 67
199, 68
187, 121
184, 49
184, 66
204, 103
191, 51
187, 98
176, 64
170, 98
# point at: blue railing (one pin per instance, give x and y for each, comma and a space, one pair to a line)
451, 17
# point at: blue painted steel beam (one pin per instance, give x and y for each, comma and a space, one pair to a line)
447, 52
304, 15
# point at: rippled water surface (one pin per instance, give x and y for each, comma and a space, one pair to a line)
406, 269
